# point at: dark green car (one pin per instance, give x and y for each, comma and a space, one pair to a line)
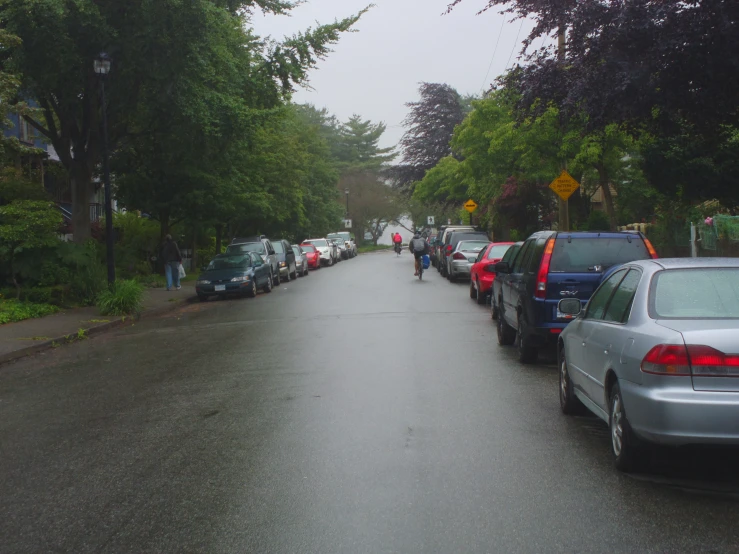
242, 275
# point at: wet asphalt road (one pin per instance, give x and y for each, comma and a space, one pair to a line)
355, 410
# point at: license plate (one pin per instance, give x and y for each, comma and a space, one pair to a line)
471, 259
220, 288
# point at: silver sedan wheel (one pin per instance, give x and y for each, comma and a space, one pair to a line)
563, 380
617, 425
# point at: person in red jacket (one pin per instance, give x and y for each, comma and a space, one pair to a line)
398, 242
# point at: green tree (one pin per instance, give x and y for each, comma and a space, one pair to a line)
358, 146
152, 45
26, 225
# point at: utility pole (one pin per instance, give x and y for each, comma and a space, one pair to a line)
564, 207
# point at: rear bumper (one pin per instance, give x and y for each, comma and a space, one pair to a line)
460, 267
682, 416
545, 337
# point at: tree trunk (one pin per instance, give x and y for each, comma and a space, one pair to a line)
219, 238
12, 276
163, 224
81, 185
194, 256
607, 197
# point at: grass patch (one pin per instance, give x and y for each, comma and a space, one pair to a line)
373, 248
13, 310
152, 281
124, 298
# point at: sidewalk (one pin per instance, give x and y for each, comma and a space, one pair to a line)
24, 338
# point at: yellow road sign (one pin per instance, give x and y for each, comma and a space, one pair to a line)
564, 185
470, 205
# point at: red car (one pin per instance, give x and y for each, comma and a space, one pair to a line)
482, 273
314, 256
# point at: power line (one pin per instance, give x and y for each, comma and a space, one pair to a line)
482, 87
515, 43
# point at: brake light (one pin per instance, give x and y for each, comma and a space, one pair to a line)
448, 249
541, 278
459, 256
667, 359
709, 362
650, 249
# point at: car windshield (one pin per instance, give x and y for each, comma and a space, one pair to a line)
230, 262
472, 245
278, 247
308, 247
580, 255
236, 249
319, 242
705, 293
498, 251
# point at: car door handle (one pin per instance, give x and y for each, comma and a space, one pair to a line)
608, 348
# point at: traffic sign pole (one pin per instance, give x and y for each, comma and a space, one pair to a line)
564, 186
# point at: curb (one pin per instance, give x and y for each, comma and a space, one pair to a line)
90, 331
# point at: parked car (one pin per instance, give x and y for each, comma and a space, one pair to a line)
554, 265
346, 236
286, 259
654, 354
301, 260
463, 256
438, 246
496, 290
313, 255
482, 273
341, 249
325, 248
450, 245
242, 274
432, 249
262, 246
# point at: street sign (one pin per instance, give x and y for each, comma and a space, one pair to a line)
347, 224
430, 220
564, 185
470, 205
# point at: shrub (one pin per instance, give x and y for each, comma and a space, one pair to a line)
88, 283
13, 310
124, 298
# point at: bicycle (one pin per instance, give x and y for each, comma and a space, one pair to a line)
398, 248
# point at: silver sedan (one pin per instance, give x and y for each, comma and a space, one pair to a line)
301, 261
464, 257
655, 354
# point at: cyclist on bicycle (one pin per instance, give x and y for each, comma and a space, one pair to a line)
418, 247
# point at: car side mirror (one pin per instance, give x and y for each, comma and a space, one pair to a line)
502, 267
569, 307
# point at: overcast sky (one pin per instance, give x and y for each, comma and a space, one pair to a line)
399, 44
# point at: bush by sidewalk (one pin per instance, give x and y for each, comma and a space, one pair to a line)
124, 298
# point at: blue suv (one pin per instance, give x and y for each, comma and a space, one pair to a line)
551, 266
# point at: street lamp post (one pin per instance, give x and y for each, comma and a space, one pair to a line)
101, 66
346, 193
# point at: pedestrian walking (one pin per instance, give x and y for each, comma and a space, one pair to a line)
172, 259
